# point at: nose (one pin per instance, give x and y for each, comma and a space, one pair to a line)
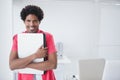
31, 23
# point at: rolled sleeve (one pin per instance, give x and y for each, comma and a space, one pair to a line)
50, 44
14, 45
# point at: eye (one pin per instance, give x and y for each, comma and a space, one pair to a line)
36, 21
28, 20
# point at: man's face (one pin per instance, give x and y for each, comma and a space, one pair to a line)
32, 23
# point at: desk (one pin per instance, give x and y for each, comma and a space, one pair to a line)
64, 60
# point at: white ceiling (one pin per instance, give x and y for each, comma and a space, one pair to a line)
82, 0
105, 2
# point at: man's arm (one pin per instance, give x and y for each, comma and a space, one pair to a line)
51, 63
18, 63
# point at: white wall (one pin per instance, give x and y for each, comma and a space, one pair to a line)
109, 47
87, 29
5, 38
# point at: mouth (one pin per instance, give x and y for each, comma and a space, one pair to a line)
32, 28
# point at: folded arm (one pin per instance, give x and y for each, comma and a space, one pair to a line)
18, 63
51, 63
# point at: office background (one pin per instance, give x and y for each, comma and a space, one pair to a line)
87, 28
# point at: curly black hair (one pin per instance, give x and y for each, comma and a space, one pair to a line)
32, 9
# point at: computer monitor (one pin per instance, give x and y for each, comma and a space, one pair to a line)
91, 69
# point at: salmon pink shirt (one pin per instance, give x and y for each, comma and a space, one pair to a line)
51, 49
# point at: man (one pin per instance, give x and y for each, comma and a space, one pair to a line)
32, 16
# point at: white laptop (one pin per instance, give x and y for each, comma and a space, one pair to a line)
28, 43
91, 69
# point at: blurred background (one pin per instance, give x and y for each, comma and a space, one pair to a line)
86, 29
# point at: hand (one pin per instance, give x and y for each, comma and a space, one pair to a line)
41, 52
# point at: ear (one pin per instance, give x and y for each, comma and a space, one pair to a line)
39, 22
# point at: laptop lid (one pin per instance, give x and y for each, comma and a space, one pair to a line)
91, 69
28, 43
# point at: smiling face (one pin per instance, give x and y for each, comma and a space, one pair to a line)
32, 23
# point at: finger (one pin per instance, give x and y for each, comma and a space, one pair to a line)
46, 48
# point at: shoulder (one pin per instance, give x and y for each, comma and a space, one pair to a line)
15, 36
48, 35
